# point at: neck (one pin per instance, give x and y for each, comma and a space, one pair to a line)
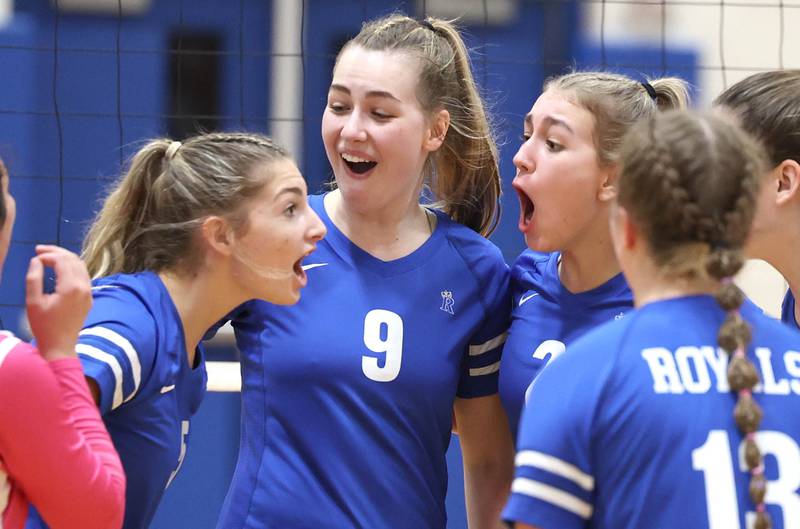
588, 265
649, 283
200, 301
386, 234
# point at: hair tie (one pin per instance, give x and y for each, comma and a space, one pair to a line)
172, 150
426, 24
650, 90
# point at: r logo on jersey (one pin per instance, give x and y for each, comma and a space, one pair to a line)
447, 302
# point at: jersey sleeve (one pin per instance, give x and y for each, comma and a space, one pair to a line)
54, 444
554, 482
117, 345
482, 360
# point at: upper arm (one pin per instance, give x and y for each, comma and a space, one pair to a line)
483, 429
117, 347
554, 478
482, 359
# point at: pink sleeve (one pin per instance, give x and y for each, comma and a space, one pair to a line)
54, 445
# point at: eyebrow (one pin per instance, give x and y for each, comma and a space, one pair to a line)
292, 190
549, 120
371, 93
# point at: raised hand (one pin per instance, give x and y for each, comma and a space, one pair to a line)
57, 318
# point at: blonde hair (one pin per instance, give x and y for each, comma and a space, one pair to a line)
463, 174
617, 102
149, 220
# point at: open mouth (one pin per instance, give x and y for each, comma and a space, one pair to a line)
358, 165
526, 208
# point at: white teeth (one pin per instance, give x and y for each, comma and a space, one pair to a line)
353, 159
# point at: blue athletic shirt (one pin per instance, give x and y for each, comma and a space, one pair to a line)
347, 396
545, 319
787, 310
133, 346
633, 426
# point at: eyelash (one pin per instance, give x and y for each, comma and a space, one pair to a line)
290, 210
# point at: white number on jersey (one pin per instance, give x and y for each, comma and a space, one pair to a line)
714, 460
391, 347
182, 454
548, 347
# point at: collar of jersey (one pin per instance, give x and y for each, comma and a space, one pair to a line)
365, 261
615, 288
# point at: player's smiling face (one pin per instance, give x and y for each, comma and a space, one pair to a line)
374, 129
281, 230
558, 175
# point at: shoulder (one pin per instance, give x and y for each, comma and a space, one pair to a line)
478, 252
20, 364
531, 266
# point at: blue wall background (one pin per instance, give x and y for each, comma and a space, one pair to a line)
108, 78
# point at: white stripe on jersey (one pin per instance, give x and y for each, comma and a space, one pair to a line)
554, 465
5, 492
557, 497
475, 350
487, 370
124, 344
8, 343
111, 361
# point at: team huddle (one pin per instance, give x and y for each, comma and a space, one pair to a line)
613, 377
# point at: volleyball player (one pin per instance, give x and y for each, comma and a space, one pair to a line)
54, 450
192, 230
348, 396
682, 413
566, 177
768, 106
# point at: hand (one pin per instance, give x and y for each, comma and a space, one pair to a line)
57, 318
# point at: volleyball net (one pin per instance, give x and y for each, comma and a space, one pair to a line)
84, 82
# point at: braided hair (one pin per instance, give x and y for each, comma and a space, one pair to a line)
690, 182
149, 220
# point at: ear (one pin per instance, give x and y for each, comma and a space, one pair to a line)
217, 234
440, 123
608, 185
787, 180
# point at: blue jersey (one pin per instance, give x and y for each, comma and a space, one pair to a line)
787, 310
347, 396
132, 345
633, 426
545, 319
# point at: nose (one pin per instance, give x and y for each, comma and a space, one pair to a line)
316, 230
523, 160
353, 128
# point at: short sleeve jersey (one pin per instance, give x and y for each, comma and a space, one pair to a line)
546, 318
633, 426
348, 395
132, 345
787, 310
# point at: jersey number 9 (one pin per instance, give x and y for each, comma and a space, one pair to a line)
390, 347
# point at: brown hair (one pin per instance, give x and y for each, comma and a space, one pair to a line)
690, 182
463, 174
617, 102
149, 220
768, 106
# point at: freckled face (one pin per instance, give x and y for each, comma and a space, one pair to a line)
281, 230
558, 174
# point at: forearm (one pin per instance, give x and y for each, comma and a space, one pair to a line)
486, 488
